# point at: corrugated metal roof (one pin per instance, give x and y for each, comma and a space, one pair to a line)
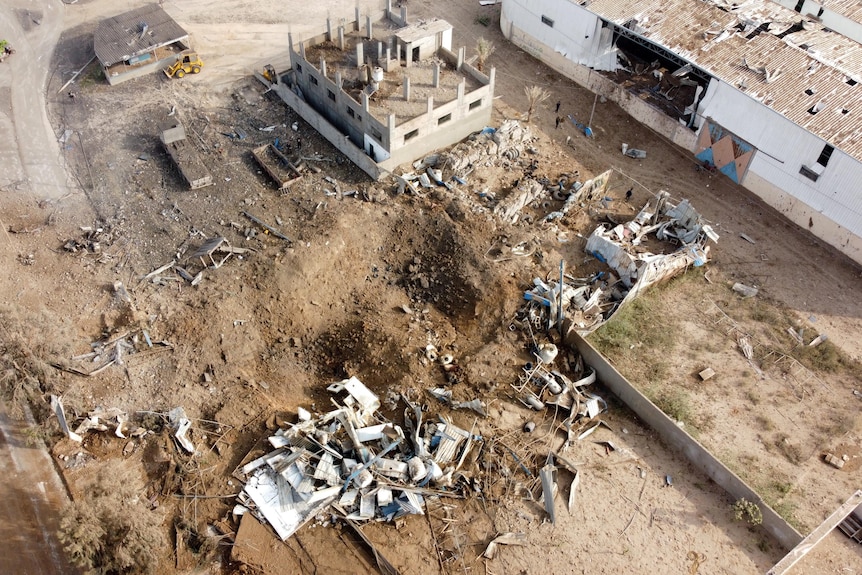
851, 9
807, 68
120, 38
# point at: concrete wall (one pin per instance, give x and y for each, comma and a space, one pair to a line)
440, 126
393, 144
337, 111
805, 216
354, 153
432, 135
677, 438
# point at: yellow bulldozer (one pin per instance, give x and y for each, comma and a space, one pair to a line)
189, 63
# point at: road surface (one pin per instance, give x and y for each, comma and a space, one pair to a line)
31, 496
29, 151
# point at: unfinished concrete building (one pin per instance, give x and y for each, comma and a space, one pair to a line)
384, 91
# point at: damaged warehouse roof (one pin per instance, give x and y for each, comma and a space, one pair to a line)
789, 62
136, 32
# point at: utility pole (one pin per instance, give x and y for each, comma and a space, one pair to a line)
589, 131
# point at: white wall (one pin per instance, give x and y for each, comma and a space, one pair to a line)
830, 208
576, 33
784, 148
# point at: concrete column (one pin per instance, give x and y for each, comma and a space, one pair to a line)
404, 14
379, 51
368, 26
364, 102
406, 88
338, 79
360, 55
323, 66
356, 23
328, 30
389, 64
391, 123
388, 8
290, 41
461, 51
341, 37
408, 55
398, 52
461, 89
492, 76
437, 75
302, 49
430, 105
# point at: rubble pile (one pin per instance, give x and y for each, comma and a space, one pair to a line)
355, 460
590, 301
510, 141
586, 301
621, 246
541, 386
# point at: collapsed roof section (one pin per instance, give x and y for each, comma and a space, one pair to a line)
789, 62
354, 459
676, 229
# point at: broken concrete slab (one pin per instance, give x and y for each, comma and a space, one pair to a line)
744, 290
707, 374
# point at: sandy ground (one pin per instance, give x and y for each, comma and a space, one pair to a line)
271, 329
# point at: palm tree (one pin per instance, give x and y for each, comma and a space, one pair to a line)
484, 49
535, 96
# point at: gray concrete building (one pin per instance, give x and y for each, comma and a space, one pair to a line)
386, 91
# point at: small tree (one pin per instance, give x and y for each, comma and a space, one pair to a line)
535, 96
110, 529
484, 49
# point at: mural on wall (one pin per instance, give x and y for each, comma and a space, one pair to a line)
724, 150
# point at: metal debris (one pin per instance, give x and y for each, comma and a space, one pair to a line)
57, 406
354, 458
181, 425
549, 487
504, 539
818, 340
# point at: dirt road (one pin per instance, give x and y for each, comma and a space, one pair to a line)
31, 155
31, 494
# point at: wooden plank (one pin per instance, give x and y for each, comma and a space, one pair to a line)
797, 553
